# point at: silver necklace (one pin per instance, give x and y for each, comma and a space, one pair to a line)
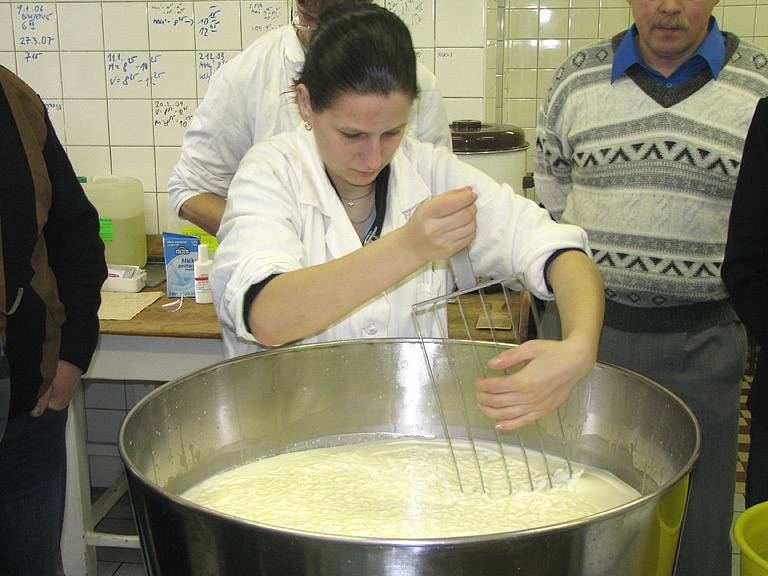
351, 201
370, 212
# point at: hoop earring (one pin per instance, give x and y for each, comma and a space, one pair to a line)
307, 126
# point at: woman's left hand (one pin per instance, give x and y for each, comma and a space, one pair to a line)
546, 372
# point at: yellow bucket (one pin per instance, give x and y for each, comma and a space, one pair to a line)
751, 534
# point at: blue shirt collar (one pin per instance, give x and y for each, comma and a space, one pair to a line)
712, 51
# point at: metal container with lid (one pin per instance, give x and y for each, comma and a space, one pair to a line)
496, 149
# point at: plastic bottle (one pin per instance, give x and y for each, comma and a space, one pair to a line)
203, 266
120, 204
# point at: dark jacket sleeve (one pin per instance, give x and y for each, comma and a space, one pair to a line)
75, 254
745, 267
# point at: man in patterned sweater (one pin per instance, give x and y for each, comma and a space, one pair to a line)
639, 142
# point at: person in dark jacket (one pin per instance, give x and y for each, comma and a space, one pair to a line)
745, 273
51, 271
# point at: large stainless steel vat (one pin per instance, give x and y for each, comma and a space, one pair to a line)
290, 398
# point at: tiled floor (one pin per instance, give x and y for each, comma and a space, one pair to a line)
741, 464
128, 562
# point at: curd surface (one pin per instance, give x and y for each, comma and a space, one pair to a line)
406, 488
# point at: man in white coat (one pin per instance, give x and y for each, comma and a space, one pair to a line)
250, 99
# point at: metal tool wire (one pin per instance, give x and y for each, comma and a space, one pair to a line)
437, 307
539, 330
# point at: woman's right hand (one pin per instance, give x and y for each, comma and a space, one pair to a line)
444, 224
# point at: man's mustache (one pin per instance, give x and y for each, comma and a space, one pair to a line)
670, 24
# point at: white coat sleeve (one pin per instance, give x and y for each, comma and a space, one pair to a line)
431, 118
514, 235
259, 234
216, 140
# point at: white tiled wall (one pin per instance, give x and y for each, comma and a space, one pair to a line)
106, 404
121, 79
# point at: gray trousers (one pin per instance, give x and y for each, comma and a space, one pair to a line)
704, 369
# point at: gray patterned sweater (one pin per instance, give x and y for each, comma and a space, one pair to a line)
649, 173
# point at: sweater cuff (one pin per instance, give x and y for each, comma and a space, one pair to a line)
77, 346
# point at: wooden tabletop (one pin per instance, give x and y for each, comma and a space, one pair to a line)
194, 320
511, 328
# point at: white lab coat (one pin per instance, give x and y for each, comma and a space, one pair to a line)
250, 98
283, 214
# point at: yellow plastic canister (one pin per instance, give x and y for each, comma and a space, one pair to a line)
120, 203
751, 534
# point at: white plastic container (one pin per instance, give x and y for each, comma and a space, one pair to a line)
202, 269
120, 203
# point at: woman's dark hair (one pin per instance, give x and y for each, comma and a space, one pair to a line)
361, 48
320, 5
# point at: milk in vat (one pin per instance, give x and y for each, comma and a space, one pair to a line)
404, 488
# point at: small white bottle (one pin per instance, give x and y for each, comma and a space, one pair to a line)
202, 267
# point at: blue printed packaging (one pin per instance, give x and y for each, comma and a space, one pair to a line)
180, 253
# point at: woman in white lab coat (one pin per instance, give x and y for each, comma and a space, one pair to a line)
333, 231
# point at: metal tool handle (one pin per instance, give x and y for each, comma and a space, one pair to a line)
462, 270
